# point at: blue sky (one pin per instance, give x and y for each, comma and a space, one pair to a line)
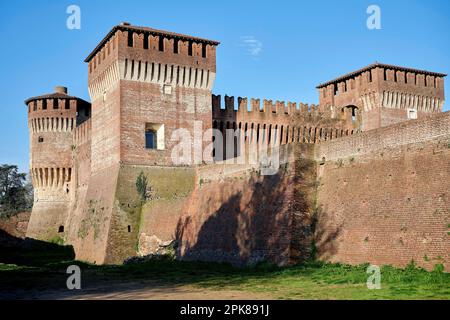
269, 49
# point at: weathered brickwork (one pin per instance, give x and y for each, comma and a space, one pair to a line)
352, 176
384, 195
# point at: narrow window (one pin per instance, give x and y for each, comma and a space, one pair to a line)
130, 38
175, 46
67, 104
55, 103
34, 105
204, 50
190, 48
150, 139
145, 41
161, 43
129, 228
44, 104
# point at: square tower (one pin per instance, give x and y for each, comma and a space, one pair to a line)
380, 95
149, 88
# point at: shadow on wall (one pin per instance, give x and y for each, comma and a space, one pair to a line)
326, 234
31, 252
258, 218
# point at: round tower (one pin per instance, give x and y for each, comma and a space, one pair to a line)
51, 121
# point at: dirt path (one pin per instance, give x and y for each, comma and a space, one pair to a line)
139, 291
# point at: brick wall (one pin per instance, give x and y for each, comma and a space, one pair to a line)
384, 195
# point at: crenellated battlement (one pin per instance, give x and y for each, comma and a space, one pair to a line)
142, 45
269, 107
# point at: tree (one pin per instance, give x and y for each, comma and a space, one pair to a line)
16, 192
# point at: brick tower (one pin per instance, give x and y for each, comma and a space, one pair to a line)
380, 95
144, 85
51, 120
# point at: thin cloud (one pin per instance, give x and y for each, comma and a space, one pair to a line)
252, 45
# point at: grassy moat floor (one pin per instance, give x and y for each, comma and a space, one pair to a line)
41, 274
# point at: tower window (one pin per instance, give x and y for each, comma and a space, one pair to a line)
55, 103
161, 43
190, 48
67, 104
154, 136
44, 104
150, 139
61, 229
204, 50
175, 46
129, 228
40, 139
146, 41
130, 38
412, 114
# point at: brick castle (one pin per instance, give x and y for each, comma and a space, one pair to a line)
365, 175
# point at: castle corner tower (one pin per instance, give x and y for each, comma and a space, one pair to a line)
51, 121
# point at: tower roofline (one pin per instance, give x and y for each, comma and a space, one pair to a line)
379, 65
127, 27
55, 95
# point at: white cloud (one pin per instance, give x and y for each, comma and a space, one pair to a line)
253, 46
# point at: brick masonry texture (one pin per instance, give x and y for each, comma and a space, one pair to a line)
358, 179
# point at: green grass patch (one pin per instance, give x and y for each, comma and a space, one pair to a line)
313, 280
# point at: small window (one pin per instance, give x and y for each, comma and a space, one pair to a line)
146, 41
161, 43
412, 114
150, 139
40, 139
34, 106
129, 228
190, 48
175, 46
61, 229
204, 50
55, 103
44, 104
130, 38
154, 136
67, 104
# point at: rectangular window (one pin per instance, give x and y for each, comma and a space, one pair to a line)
146, 41
154, 136
130, 38
190, 48
175, 46
412, 114
161, 43
204, 50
